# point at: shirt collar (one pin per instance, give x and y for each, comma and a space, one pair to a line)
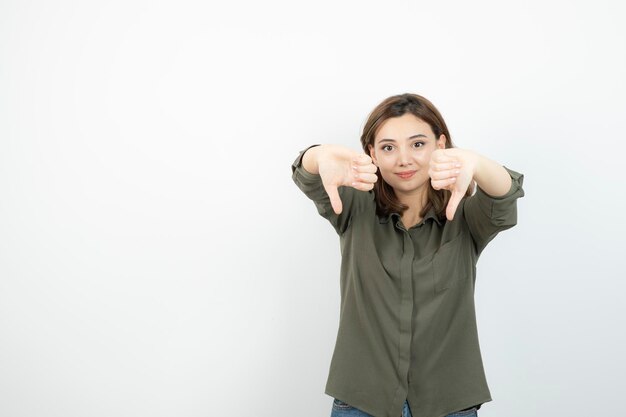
430, 214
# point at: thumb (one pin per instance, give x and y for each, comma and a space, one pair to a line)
335, 201
455, 199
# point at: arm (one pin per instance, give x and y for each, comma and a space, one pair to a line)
309, 160
493, 207
323, 172
491, 177
339, 166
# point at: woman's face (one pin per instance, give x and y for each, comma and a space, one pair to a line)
404, 145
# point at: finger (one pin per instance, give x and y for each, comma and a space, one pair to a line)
363, 186
443, 184
371, 168
455, 199
335, 201
441, 157
362, 159
444, 166
442, 175
365, 177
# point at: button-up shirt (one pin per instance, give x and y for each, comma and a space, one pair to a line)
407, 325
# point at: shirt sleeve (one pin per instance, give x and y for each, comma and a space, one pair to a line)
352, 200
486, 216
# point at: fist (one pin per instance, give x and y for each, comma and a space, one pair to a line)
340, 166
452, 169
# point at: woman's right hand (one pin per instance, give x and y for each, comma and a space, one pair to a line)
341, 166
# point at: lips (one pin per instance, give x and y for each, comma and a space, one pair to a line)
406, 174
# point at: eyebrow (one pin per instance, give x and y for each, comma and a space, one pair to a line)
419, 135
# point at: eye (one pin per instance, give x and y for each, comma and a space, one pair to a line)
385, 146
418, 144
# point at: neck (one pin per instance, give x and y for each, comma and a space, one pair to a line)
416, 200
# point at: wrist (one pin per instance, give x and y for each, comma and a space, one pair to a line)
477, 163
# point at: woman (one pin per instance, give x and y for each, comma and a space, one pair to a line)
411, 231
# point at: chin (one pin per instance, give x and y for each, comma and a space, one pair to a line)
408, 186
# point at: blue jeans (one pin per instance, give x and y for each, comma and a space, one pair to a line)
341, 409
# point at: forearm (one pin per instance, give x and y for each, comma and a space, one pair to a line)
310, 160
491, 177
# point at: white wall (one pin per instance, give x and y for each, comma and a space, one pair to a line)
156, 258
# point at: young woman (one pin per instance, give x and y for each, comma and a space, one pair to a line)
411, 230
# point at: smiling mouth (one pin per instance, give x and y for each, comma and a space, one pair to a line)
406, 175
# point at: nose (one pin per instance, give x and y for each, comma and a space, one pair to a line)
404, 159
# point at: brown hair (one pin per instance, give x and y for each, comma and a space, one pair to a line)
422, 108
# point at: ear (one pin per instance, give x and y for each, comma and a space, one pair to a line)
372, 154
441, 142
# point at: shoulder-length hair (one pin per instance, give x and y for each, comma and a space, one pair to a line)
422, 108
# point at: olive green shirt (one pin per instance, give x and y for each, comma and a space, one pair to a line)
407, 326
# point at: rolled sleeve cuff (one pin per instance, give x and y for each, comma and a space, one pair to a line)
310, 184
502, 209
298, 163
516, 190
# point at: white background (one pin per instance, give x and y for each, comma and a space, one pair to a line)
156, 258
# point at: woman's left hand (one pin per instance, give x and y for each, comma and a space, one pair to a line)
452, 169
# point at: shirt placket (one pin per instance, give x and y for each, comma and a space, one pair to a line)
406, 308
